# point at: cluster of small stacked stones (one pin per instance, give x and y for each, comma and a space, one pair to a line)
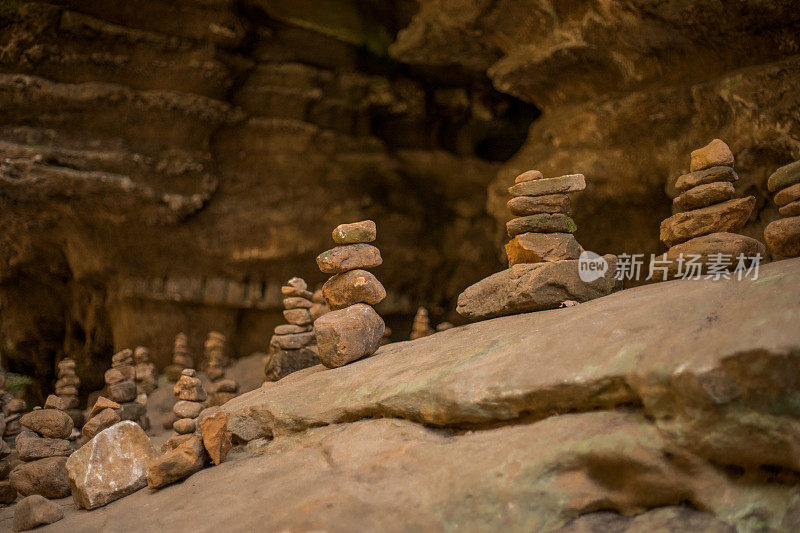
707, 214
181, 358
783, 235
13, 410
222, 388
104, 414
421, 327
121, 387
68, 383
7, 492
543, 229
352, 329
43, 446
293, 345
191, 395
146, 373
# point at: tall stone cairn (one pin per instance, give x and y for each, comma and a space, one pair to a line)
68, 383
191, 395
293, 345
8, 494
352, 329
181, 358
707, 215
43, 446
421, 327
542, 254
146, 373
222, 388
121, 387
783, 235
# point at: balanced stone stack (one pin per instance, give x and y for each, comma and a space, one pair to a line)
104, 414
293, 345
146, 373
43, 446
707, 217
181, 358
352, 329
68, 383
318, 308
542, 254
191, 395
222, 388
421, 327
14, 410
783, 235
121, 387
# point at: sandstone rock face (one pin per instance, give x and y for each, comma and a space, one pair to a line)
112, 465
532, 287
612, 415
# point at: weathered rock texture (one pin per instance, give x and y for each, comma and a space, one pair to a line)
661, 408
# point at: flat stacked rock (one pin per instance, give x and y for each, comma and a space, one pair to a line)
222, 388
43, 446
191, 395
181, 358
421, 327
146, 373
121, 387
783, 235
293, 345
707, 214
352, 329
542, 254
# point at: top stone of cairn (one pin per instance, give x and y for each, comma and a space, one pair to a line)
355, 233
541, 186
528, 176
714, 154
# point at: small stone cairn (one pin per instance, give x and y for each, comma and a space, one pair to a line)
68, 383
222, 388
191, 395
121, 387
783, 235
14, 408
707, 217
421, 327
43, 446
352, 329
104, 414
181, 358
319, 308
8, 494
146, 373
542, 254
293, 345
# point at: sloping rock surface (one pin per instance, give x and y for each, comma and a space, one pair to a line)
671, 404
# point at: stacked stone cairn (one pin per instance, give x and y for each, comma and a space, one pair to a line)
146, 373
191, 395
14, 408
43, 446
421, 327
121, 387
319, 308
222, 388
783, 235
7, 492
293, 345
352, 329
707, 217
68, 383
181, 358
542, 254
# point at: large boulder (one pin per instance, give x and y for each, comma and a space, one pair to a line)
112, 465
